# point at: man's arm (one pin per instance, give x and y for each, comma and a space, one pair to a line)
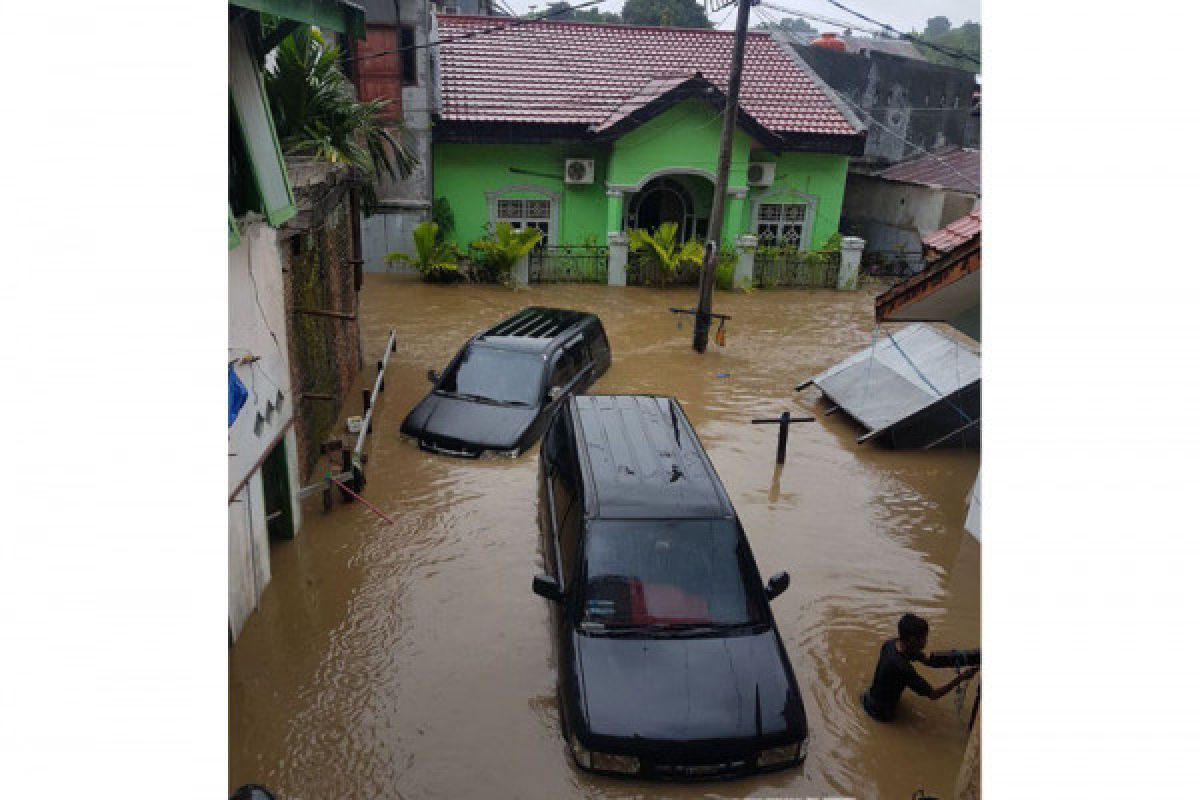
965, 675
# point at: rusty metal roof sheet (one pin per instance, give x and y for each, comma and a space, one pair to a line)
569, 72
951, 167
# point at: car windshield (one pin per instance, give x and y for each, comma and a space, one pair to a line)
499, 375
660, 573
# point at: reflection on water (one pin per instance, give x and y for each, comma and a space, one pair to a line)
412, 660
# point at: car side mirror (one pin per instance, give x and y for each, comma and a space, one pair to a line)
547, 587
778, 584
553, 393
433, 376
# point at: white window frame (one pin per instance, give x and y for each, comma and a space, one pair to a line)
550, 236
804, 243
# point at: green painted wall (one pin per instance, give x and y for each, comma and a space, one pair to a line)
818, 174
684, 138
465, 173
687, 136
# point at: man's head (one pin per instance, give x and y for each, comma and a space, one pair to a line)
914, 632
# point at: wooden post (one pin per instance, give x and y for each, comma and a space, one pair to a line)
347, 466
716, 220
366, 400
784, 421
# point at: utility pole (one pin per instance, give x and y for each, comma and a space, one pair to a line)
716, 221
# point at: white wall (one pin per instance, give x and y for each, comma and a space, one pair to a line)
257, 325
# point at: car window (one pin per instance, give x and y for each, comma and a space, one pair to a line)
667, 572
572, 361
500, 375
568, 541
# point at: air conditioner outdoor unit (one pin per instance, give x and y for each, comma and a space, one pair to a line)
760, 173
579, 170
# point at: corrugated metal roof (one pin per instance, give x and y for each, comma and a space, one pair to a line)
895, 47
883, 385
962, 229
568, 72
955, 168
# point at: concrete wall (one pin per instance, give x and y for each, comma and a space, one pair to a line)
257, 326
905, 99
894, 216
404, 204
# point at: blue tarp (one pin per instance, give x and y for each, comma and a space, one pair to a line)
237, 395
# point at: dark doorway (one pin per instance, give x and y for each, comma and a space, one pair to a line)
277, 494
663, 200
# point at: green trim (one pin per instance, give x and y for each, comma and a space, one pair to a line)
235, 238
275, 216
336, 15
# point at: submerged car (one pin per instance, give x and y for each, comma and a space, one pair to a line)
669, 661
499, 392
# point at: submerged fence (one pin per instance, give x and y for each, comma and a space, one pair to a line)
569, 264
778, 266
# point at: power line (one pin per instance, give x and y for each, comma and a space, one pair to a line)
482, 31
870, 118
909, 36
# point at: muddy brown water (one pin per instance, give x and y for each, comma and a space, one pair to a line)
413, 661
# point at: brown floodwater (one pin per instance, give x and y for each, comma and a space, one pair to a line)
412, 660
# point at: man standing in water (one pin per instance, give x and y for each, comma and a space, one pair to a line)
895, 671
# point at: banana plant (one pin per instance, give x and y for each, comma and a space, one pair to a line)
662, 252
503, 250
436, 261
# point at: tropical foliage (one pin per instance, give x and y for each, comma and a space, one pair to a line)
317, 112
502, 250
666, 13
436, 260
660, 254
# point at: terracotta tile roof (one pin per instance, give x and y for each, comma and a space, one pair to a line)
569, 72
955, 168
652, 90
962, 229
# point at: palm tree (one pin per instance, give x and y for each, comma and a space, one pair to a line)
317, 112
662, 252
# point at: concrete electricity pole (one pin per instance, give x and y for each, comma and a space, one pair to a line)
716, 221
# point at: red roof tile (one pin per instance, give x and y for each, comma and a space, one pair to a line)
951, 167
569, 72
962, 229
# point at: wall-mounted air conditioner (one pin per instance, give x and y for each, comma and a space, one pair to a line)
579, 170
760, 173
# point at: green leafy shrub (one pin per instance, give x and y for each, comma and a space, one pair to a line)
726, 262
436, 260
501, 251
660, 254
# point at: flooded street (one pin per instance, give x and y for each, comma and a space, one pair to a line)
413, 660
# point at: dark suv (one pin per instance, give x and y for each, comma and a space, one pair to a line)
500, 390
669, 661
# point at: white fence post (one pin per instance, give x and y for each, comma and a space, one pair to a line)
520, 271
618, 258
852, 250
743, 270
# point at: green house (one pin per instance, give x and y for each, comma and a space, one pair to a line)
585, 131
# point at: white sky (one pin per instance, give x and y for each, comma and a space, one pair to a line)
901, 14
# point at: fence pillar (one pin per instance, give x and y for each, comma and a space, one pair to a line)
852, 250
618, 258
520, 271
743, 270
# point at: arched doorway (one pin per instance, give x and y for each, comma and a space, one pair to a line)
663, 200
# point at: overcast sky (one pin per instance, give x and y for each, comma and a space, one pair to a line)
902, 14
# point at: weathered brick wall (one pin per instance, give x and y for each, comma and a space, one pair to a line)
325, 350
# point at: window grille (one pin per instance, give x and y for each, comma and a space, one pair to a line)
522, 213
782, 224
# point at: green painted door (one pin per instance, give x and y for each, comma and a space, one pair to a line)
277, 494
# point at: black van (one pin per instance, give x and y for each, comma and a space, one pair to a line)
669, 662
500, 390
